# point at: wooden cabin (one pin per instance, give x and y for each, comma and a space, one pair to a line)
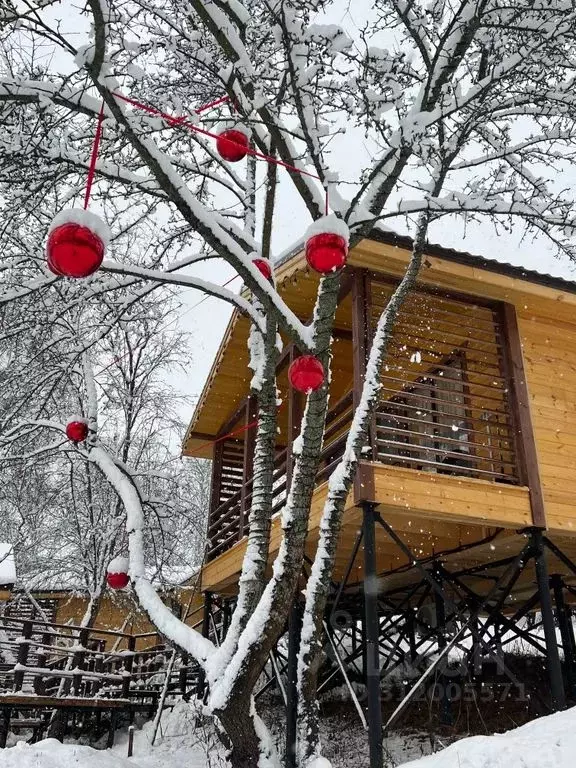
474, 438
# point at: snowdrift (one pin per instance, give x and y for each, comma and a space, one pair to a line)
52, 754
549, 742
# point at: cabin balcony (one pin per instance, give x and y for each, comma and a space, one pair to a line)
446, 440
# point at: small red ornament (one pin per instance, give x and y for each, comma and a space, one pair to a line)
264, 267
117, 580
306, 374
117, 573
74, 250
77, 430
232, 145
326, 252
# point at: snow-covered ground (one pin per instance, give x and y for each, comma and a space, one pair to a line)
549, 742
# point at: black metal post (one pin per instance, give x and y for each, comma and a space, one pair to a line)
567, 633
5, 713
372, 628
446, 717
201, 684
294, 627
225, 617
554, 666
411, 629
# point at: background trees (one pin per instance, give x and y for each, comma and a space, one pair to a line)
430, 110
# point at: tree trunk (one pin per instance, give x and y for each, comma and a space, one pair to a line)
311, 646
227, 695
239, 726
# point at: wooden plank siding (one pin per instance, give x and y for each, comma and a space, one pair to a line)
549, 350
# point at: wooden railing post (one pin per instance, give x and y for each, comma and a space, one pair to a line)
22, 658
42, 661
215, 487
519, 402
183, 673
128, 664
98, 667
201, 682
78, 660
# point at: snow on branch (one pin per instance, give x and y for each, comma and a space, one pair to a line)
162, 617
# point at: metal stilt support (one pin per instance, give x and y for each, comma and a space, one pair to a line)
294, 627
567, 633
445, 706
554, 666
371, 638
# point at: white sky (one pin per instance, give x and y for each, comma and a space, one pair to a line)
208, 320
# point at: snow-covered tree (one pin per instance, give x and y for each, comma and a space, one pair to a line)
456, 108
63, 518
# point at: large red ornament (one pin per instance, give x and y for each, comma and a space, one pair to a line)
52, 268
117, 573
326, 252
77, 430
306, 374
264, 267
74, 250
232, 145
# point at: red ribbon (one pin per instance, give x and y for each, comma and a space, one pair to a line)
184, 122
225, 437
94, 157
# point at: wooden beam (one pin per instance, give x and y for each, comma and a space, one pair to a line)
519, 401
234, 418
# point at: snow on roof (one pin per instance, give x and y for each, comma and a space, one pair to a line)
7, 565
561, 281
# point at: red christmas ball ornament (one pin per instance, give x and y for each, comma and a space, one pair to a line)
117, 573
232, 144
326, 252
77, 430
264, 266
76, 243
52, 268
306, 374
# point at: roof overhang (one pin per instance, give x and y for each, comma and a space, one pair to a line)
228, 382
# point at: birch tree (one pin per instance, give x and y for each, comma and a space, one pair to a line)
464, 108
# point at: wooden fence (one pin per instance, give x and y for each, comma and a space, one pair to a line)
49, 667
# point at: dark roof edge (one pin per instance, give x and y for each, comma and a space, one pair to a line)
459, 257
470, 260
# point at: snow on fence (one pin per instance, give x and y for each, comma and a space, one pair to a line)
59, 666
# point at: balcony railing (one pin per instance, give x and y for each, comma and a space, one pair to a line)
444, 408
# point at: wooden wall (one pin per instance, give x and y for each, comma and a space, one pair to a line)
549, 348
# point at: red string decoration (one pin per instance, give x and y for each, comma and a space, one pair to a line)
182, 121
94, 157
